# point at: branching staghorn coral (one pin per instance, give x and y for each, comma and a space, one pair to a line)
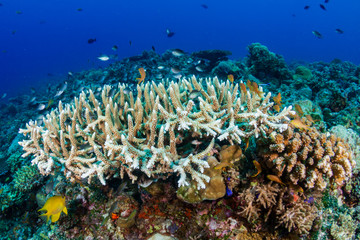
137, 131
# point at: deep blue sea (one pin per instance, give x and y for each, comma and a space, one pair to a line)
41, 41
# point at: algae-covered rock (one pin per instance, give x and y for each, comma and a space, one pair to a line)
309, 108
229, 155
214, 189
225, 68
302, 73
267, 65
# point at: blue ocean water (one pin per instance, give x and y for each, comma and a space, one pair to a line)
42, 40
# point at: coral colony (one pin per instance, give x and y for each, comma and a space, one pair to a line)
117, 135
166, 156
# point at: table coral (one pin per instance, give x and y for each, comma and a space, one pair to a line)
124, 132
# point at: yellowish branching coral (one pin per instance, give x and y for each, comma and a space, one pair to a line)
309, 159
138, 132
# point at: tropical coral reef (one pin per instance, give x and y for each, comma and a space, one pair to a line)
199, 149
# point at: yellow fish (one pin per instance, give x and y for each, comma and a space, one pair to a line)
142, 75
231, 78
275, 179
299, 124
54, 206
258, 168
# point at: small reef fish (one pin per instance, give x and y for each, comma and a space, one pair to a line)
50, 103
247, 142
243, 88
153, 48
275, 179
277, 108
306, 7
104, 58
61, 89
339, 31
41, 107
54, 206
229, 193
277, 99
204, 6
115, 48
32, 100
295, 196
317, 34
19, 12
231, 78
79, 9
308, 117
299, 124
175, 70
255, 88
194, 94
177, 52
91, 40
299, 110
249, 85
258, 168
130, 43
142, 75
199, 69
3, 96
310, 200
322, 7
169, 33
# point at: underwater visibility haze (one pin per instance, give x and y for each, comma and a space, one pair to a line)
179, 119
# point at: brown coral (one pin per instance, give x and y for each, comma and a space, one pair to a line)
298, 217
307, 158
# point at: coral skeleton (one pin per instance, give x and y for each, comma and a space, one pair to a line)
136, 132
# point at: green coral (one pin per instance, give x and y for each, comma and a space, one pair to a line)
14, 161
26, 178
10, 196
302, 73
338, 220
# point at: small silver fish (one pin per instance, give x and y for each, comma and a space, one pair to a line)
159, 76
160, 67
3, 96
32, 99
199, 69
112, 92
175, 70
102, 78
61, 89
41, 107
177, 76
194, 94
104, 58
58, 93
177, 52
